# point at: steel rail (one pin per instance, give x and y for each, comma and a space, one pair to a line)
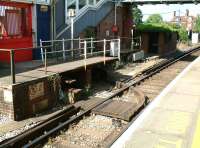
23, 138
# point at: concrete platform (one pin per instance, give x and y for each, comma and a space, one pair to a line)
59, 68
172, 120
35, 91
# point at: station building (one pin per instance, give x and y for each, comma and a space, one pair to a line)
105, 19
22, 23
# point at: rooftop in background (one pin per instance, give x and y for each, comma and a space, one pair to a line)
167, 11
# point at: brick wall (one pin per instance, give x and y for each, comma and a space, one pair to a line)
166, 45
104, 29
26, 99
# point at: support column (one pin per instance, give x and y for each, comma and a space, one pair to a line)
77, 6
88, 78
66, 12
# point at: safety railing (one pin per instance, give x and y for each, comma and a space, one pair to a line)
60, 46
12, 62
86, 48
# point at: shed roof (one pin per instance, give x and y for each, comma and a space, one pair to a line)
149, 27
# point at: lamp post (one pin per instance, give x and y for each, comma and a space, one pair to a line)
71, 14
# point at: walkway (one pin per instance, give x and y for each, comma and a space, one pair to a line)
172, 120
59, 68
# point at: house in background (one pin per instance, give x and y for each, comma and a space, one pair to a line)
18, 30
187, 21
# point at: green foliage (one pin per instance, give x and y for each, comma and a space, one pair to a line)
183, 36
155, 18
161, 27
182, 32
197, 25
137, 15
155, 27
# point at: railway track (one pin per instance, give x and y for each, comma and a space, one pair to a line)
88, 122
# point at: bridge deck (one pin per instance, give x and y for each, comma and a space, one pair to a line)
172, 120
59, 68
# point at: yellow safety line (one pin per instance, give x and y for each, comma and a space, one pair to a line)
196, 139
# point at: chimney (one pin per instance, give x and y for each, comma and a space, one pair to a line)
187, 12
174, 13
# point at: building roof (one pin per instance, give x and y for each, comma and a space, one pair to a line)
149, 27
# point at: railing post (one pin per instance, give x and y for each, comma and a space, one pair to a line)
42, 53
12, 65
63, 44
85, 53
79, 44
91, 45
72, 37
45, 61
104, 50
119, 48
85, 49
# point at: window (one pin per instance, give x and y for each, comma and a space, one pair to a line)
14, 22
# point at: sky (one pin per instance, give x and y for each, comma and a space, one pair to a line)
167, 10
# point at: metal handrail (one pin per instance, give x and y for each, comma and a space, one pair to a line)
44, 52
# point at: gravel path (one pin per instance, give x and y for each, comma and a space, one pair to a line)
89, 132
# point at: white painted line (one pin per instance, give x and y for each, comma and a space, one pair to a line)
121, 141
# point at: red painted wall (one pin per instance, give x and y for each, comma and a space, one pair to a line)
23, 42
20, 55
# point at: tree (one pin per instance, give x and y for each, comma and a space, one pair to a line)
155, 18
197, 24
137, 15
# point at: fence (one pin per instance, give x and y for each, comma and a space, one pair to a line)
85, 50
70, 49
74, 49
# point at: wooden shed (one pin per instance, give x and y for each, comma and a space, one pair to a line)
157, 39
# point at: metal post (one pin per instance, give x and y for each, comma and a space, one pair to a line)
91, 46
45, 62
115, 14
85, 49
119, 48
85, 53
72, 36
42, 54
104, 50
131, 39
64, 57
77, 6
12, 65
66, 13
79, 43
